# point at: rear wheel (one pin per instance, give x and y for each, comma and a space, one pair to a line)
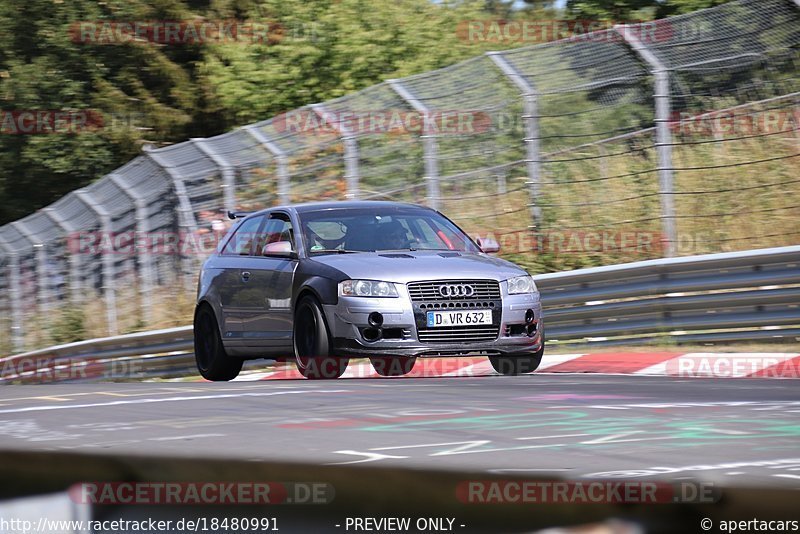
393, 366
212, 360
517, 365
312, 343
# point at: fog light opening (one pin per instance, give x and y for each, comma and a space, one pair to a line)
372, 334
529, 316
531, 329
375, 319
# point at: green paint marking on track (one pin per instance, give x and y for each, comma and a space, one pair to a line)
694, 431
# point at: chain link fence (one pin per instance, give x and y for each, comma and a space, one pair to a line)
665, 138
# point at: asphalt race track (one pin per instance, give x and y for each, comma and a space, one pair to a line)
732, 431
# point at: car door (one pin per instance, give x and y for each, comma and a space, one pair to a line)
273, 275
240, 299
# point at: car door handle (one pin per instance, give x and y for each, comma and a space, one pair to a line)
245, 276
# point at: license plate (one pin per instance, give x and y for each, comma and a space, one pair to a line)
459, 318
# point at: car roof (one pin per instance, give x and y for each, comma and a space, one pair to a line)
342, 204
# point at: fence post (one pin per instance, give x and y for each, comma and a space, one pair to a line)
429, 144
281, 162
17, 334
663, 136
226, 169
109, 291
75, 289
530, 115
143, 253
42, 276
185, 214
352, 174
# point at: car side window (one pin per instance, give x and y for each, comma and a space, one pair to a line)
278, 228
241, 243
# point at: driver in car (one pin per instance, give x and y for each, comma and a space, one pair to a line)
393, 236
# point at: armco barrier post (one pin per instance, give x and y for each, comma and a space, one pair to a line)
17, 334
43, 277
109, 291
185, 214
281, 162
226, 169
429, 144
663, 136
73, 257
143, 253
350, 153
530, 117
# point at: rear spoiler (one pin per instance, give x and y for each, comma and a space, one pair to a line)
238, 214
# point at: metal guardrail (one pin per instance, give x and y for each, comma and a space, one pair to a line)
158, 353
749, 295
737, 296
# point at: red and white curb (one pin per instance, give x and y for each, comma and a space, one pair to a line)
681, 365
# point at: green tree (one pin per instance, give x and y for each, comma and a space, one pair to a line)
627, 10
143, 91
678, 7
614, 10
332, 48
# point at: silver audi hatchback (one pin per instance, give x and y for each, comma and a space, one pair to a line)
321, 283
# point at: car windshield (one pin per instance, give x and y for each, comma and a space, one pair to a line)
381, 229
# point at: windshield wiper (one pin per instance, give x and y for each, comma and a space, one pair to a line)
333, 251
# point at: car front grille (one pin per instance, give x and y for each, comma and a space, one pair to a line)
485, 294
429, 291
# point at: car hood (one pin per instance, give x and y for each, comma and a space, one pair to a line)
408, 266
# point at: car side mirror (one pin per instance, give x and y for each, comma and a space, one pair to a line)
281, 249
489, 245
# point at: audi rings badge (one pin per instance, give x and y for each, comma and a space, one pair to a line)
456, 290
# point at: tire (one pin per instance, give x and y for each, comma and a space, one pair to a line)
212, 361
312, 343
393, 366
517, 365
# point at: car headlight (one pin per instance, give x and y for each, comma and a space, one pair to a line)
367, 288
521, 284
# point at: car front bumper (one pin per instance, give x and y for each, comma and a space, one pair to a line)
348, 321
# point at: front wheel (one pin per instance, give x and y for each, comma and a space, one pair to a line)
312, 343
393, 366
212, 360
517, 365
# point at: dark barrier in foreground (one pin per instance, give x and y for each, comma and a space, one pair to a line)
441, 500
